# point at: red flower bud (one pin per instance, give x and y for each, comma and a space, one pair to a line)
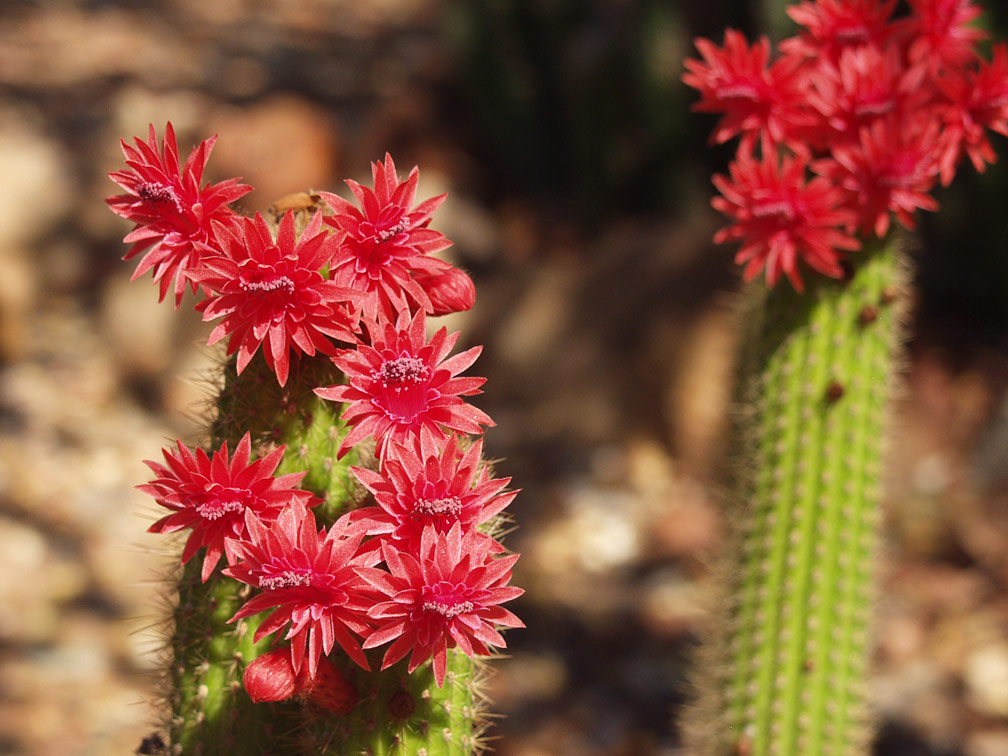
330, 690
449, 290
271, 677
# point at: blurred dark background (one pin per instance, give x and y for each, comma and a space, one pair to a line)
579, 186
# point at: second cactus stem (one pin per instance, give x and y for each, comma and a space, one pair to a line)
785, 674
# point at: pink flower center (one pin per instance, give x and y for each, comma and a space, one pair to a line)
851, 34
384, 234
775, 207
448, 506
267, 285
403, 387
222, 500
285, 579
872, 107
739, 89
446, 599
159, 196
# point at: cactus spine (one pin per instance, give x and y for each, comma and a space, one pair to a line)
396, 714
784, 675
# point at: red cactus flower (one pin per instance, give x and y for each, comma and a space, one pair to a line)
401, 386
865, 85
273, 293
447, 597
940, 32
425, 484
756, 100
834, 25
781, 219
211, 496
307, 578
385, 240
173, 214
891, 169
976, 101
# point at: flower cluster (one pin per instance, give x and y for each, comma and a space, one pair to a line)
418, 566
856, 120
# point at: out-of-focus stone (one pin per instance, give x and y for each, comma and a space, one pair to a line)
536, 322
281, 145
671, 604
138, 329
18, 285
700, 392
985, 675
92, 44
47, 579
528, 678
470, 226
992, 742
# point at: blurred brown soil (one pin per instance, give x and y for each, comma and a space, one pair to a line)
608, 356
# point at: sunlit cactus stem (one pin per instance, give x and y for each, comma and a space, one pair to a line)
391, 712
784, 671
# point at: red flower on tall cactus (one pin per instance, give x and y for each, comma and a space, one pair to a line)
781, 219
212, 495
174, 215
401, 385
756, 100
832, 26
940, 33
426, 483
307, 578
386, 240
448, 596
890, 170
273, 293
976, 101
865, 85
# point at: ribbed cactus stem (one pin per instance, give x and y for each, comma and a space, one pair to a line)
396, 714
785, 673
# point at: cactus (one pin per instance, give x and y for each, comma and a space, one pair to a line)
293, 580
844, 134
395, 712
785, 670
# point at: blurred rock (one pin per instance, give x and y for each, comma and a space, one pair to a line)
93, 44
139, 330
700, 391
49, 578
992, 742
672, 604
527, 679
986, 678
279, 145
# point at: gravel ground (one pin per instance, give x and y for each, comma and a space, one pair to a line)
608, 353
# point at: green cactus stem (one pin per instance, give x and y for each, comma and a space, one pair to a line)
784, 673
394, 713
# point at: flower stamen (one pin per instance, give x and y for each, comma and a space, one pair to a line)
449, 506
158, 195
280, 283
286, 579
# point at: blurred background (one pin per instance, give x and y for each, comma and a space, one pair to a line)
579, 188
